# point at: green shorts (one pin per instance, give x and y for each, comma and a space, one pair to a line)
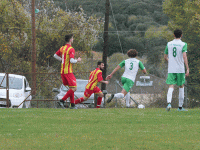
176, 78
127, 83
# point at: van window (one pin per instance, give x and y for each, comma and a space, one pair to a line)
14, 83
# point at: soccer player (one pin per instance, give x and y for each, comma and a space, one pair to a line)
175, 54
66, 55
128, 78
91, 87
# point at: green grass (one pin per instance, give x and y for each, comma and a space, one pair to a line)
99, 129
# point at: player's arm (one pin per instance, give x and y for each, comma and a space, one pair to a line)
166, 53
106, 82
57, 57
113, 72
184, 50
166, 57
186, 63
142, 67
73, 61
122, 64
71, 56
144, 71
100, 78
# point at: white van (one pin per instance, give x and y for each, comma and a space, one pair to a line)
18, 90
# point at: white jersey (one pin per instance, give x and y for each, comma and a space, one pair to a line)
174, 50
131, 68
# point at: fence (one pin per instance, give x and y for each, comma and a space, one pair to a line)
150, 96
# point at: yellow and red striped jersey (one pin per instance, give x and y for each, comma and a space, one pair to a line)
95, 77
66, 52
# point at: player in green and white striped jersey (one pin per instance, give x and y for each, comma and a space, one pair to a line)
175, 54
128, 78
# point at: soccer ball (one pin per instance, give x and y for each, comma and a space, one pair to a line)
141, 106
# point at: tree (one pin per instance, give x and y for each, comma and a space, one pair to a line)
185, 15
53, 24
156, 38
159, 32
15, 37
127, 43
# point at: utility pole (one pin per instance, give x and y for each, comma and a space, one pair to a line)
105, 47
33, 49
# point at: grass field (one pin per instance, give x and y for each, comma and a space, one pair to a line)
99, 129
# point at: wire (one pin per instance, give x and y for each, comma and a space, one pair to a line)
116, 29
81, 30
97, 3
122, 1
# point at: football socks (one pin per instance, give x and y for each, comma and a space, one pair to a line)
127, 97
181, 96
119, 95
169, 95
80, 100
68, 94
99, 99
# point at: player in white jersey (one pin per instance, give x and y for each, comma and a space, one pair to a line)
128, 78
175, 54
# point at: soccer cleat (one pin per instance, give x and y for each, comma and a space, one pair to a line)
110, 98
168, 107
73, 107
182, 109
61, 103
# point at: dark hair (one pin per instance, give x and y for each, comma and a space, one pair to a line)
132, 53
99, 63
177, 33
68, 37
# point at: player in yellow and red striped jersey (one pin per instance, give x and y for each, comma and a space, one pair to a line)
66, 55
91, 87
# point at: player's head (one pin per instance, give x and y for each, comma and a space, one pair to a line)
69, 38
132, 53
178, 33
100, 65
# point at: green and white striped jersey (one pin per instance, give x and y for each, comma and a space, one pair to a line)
174, 50
131, 68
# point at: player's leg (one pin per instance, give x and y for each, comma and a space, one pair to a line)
97, 91
99, 99
181, 97
73, 87
127, 85
127, 98
65, 83
171, 80
117, 95
169, 97
70, 81
81, 99
85, 97
180, 83
66, 80
71, 95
